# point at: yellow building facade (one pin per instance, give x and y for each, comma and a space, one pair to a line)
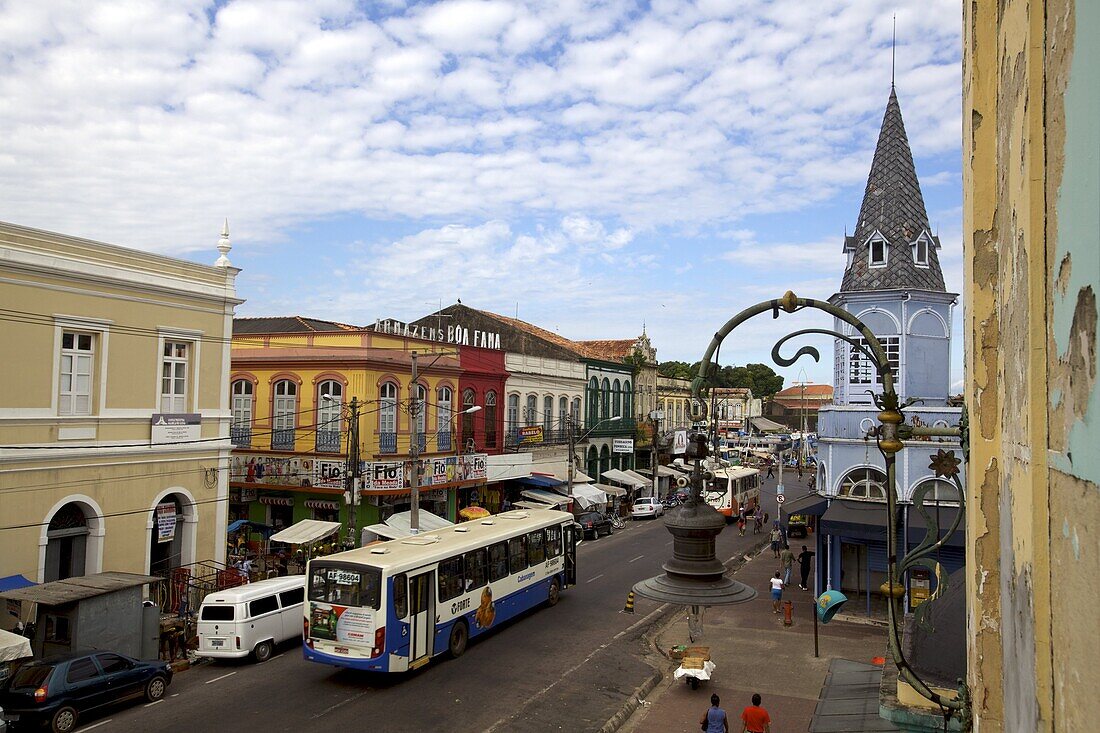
1031, 152
292, 384
114, 420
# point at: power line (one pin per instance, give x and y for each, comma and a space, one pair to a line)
116, 514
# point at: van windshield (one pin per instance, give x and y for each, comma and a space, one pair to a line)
345, 585
216, 613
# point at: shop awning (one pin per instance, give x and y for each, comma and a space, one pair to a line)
857, 519
542, 482
13, 646
610, 490
622, 477
589, 496
662, 472
765, 425
579, 477
812, 504
635, 475
239, 524
306, 531
546, 498
15, 581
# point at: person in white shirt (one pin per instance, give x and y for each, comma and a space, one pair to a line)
777, 591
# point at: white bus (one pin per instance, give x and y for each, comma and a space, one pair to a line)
392, 606
732, 488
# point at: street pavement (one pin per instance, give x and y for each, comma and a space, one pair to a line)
571, 667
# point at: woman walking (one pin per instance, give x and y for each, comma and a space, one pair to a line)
714, 719
777, 591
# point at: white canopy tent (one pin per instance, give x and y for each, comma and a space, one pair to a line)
544, 498
662, 472
306, 531
13, 646
588, 496
622, 477
399, 525
610, 490
635, 475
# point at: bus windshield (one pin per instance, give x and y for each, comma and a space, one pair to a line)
345, 585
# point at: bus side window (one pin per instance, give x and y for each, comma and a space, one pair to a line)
400, 596
450, 578
536, 550
498, 562
476, 571
553, 541
517, 554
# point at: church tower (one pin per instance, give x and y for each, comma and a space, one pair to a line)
893, 281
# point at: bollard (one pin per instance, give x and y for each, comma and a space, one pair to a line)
787, 613
629, 603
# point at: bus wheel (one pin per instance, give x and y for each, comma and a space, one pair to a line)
552, 596
459, 636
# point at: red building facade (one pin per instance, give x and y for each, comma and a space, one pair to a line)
481, 384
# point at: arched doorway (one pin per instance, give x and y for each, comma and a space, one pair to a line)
170, 542
592, 465
605, 461
67, 542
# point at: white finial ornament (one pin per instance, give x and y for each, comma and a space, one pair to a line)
224, 246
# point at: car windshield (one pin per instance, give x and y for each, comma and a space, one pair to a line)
31, 676
644, 502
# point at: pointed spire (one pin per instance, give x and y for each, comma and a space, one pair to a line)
224, 246
894, 207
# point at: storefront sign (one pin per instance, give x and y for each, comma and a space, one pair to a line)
622, 445
276, 471
475, 467
384, 476
248, 495
329, 474
530, 434
175, 428
451, 334
444, 470
166, 522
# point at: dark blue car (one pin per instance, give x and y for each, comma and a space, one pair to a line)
57, 690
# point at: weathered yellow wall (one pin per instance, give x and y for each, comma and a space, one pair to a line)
1032, 269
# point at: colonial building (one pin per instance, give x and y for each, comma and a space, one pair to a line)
674, 402
732, 408
114, 425
894, 284
640, 355
798, 406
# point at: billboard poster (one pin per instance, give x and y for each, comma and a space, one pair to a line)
530, 434
329, 474
444, 470
166, 522
475, 467
382, 476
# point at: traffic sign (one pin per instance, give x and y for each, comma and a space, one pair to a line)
779, 498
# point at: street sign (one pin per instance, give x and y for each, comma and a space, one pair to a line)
680, 441
622, 445
779, 489
779, 498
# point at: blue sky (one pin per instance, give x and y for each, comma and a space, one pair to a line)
591, 166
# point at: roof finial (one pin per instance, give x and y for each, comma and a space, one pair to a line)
893, 48
224, 246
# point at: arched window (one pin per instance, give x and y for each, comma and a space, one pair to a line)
443, 397
531, 414
605, 460
864, 483
679, 413
592, 465
419, 422
592, 409
330, 398
387, 418
628, 400
284, 415
575, 412
563, 415
67, 543
240, 431
512, 417
616, 399
490, 419
467, 418
943, 492
605, 399
547, 416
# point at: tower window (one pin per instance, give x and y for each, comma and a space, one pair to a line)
878, 252
920, 252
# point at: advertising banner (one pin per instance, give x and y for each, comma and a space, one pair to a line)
166, 522
530, 434
444, 470
622, 445
384, 476
329, 474
475, 467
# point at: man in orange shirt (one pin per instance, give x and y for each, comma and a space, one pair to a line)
755, 719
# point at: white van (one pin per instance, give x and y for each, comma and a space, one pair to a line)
252, 618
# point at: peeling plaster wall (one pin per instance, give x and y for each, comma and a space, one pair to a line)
1032, 239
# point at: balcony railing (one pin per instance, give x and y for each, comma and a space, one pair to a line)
443, 440
387, 442
422, 441
241, 435
282, 439
328, 441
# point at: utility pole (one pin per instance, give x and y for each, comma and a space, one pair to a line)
351, 471
656, 415
414, 453
572, 457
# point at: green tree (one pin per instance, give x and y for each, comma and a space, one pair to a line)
679, 369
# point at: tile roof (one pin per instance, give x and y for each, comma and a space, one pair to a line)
541, 333
609, 349
893, 206
288, 324
815, 390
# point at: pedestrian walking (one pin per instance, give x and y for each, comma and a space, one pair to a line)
714, 719
799, 471
777, 538
741, 525
771, 470
787, 558
758, 520
804, 559
755, 719
777, 591
813, 482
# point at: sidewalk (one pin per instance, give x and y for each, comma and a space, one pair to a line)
754, 652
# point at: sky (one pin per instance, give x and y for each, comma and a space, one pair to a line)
591, 167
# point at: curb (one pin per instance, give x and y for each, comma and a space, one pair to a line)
616, 721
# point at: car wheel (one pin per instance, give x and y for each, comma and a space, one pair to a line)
456, 645
64, 720
154, 688
552, 595
263, 651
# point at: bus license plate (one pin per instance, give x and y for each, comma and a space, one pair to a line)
342, 650
217, 642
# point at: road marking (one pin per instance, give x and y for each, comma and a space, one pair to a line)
276, 657
221, 678
96, 725
594, 579
155, 702
340, 704
637, 558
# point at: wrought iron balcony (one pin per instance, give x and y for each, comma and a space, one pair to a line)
422, 441
328, 441
443, 440
387, 442
282, 439
241, 435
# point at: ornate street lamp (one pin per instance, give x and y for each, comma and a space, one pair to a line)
693, 589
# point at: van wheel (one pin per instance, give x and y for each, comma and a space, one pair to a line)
64, 720
552, 595
263, 651
154, 688
456, 646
